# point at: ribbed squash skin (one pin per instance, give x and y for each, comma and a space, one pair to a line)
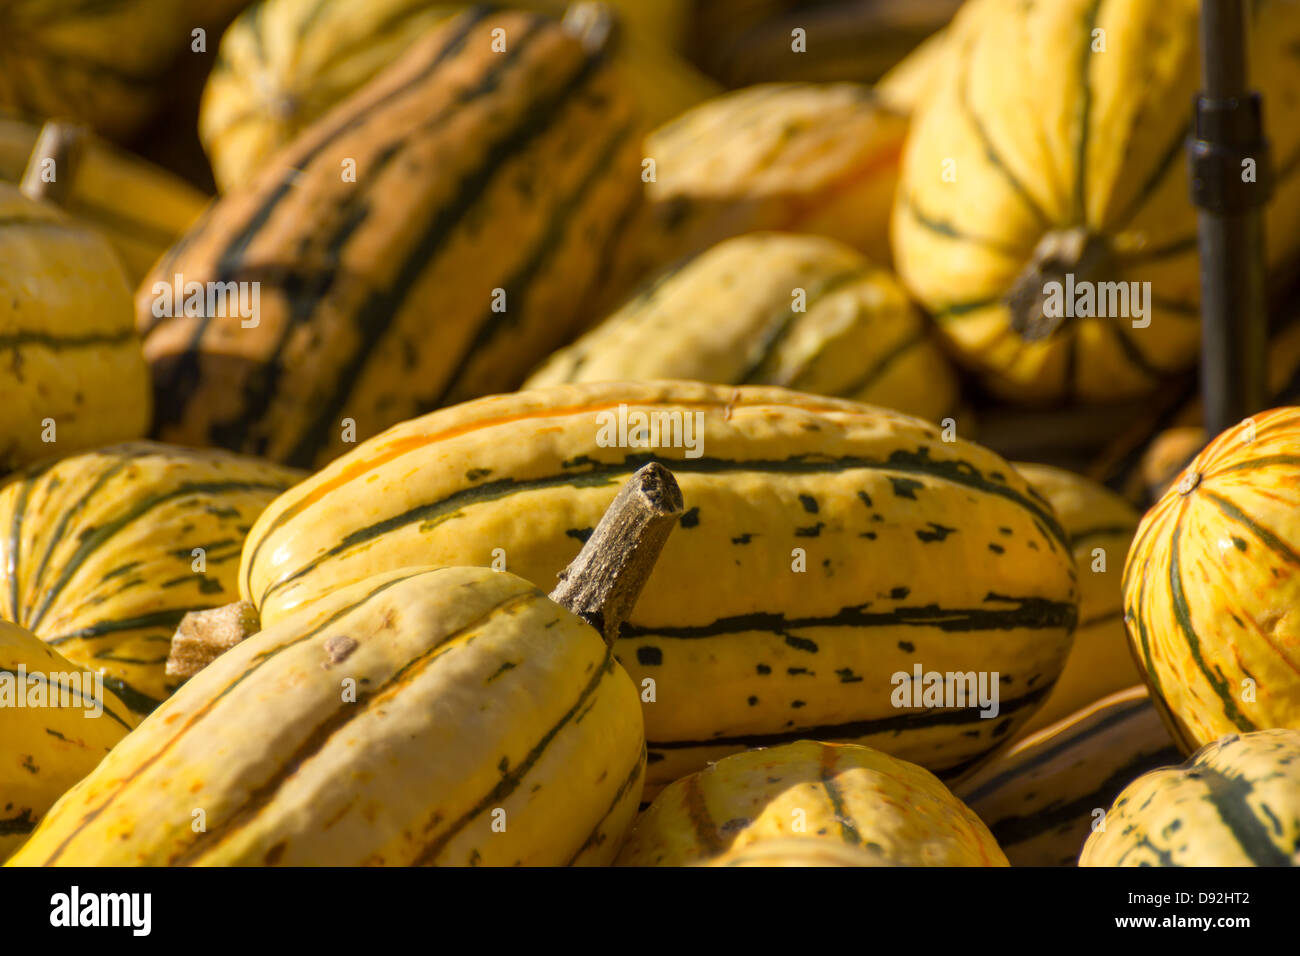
896, 527
1236, 802
1040, 798
472, 692
730, 316
139, 208
1099, 662
840, 793
100, 62
787, 157
800, 851
96, 553
45, 749
286, 62
1043, 136
1212, 586
70, 349
377, 296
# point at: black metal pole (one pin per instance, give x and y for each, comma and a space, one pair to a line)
1227, 139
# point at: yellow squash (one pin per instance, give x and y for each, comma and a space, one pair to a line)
803, 312
838, 793
487, 186
1043, 797
446, 716
74, 375
285, 63
1043, 212
56, 724
908, 82
1212, 586
828, 550
1236, 802
139, 208
102, 553
797, 851
1100, 527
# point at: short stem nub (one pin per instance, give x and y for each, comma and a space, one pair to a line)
1059, 254
61, 142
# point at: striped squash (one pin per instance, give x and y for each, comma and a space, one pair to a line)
840, 794
1041, 797
1212, 586
102, 63
1048, 159
139, 208
284, 63
803, 312
74, 376
799, 851
425, 716
1236, 802
1100, 527
487, 186
98, 554
787, 157
753, 41
55, 726
918, 552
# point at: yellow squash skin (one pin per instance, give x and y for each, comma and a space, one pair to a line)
141, 209
787, 157
1236, 802
1099, 662
1033, 133
799, 851
839, 793
917, 552
50, 742
97, 552
284, 63
1040, 798
908, 82
1212, 586
445, 271
385, 725
73, 369
730, 315
102, 63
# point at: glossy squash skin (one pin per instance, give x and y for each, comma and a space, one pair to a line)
74, 374
56, 724
450, 716
1236, 802
285, 63
827, 547
1100, 527
802, 312
443, 272
1212, 586
1049, 157
102, 553
838, 793
1042, 797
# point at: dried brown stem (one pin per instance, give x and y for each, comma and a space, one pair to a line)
62, 142
203, 636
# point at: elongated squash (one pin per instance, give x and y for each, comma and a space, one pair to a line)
837, 793
1236, 802
787, 157
1043, 797
286, 62
139, 208
447, 716
828, 549
1042, 213
487, 185
74, 375
1100, 527
56, 724
102, 553
803, 312
1212, 586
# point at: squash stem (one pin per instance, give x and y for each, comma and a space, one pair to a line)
61, 142
1066, 257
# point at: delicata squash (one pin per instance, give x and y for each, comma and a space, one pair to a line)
423, 716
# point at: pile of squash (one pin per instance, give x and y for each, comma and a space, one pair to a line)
546, 439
